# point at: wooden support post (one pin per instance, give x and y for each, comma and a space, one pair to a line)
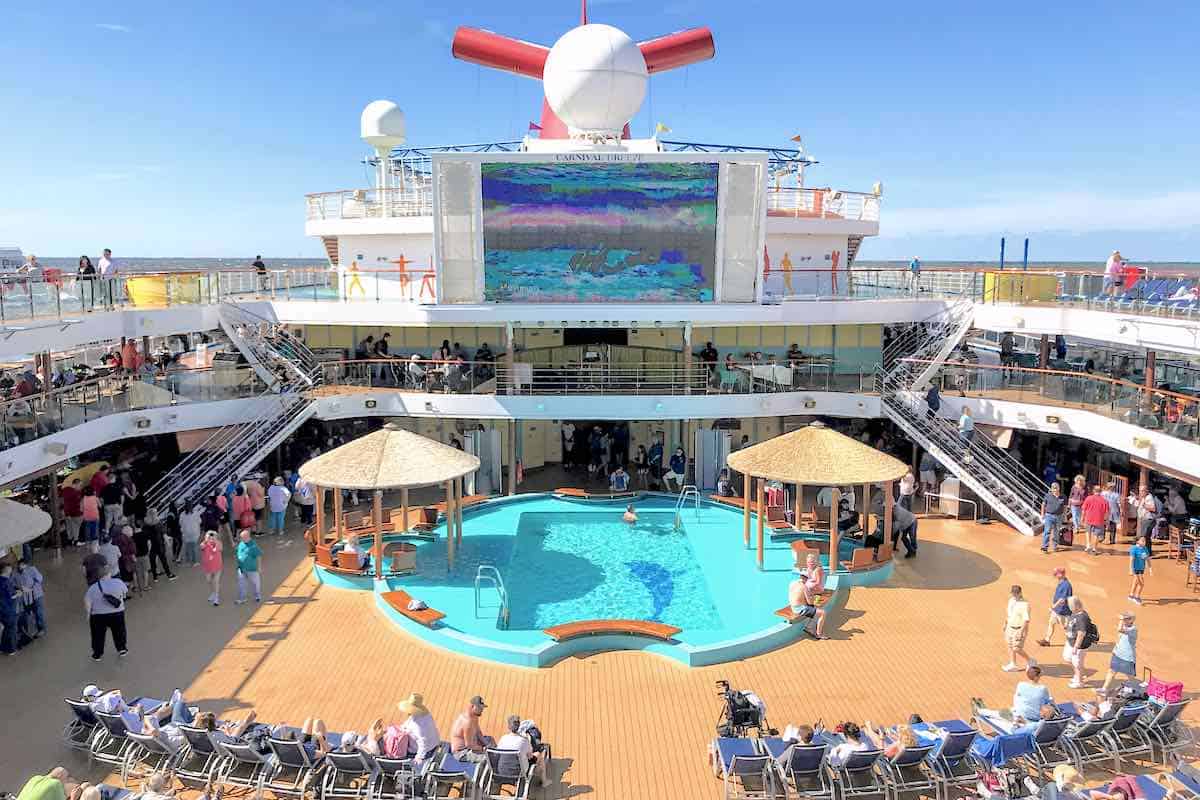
377, 513
797, 503
1151, 361
888, 499
56, 517
319, 520
512, 457
834, 499
338, 521
1044, 352
404, 509
865, 509
48, 377
450, 524
687, 358
747, 482
762, 515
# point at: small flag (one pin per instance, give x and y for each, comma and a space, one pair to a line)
797, 138
533, 126
660, 128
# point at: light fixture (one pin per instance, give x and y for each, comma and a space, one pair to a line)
810, 403
429, 406
371, 403
658, 323
1052, 420
1141, 442
56, 448
142, 422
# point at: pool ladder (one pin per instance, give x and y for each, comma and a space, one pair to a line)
487, 575
686, 493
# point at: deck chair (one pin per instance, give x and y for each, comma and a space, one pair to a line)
111, 742
349, 561
745, 773
953, 766
347, 775
243, 767
504, 771
857, 775
429, 518
907, 772
799, 768
398, 777
452, 779
291, 770
1188, 778
1125, 738
145, 755
1049, 749
860, 558
198, 763
1086, 742
1162, 727
79, 732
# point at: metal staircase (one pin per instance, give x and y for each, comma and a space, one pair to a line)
289, 369
909, 363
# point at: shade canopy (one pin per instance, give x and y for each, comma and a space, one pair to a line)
817, 456
389, 458
20, 523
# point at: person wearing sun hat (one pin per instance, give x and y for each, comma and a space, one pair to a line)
421, 730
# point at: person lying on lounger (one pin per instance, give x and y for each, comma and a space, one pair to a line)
312, 735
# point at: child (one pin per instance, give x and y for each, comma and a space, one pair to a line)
1139, 563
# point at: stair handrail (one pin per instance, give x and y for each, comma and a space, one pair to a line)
490, 573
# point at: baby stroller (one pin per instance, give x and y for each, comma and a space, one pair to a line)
742, 712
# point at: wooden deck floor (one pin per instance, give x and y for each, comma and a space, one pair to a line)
623, 725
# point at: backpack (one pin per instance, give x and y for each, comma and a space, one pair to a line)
1091, 635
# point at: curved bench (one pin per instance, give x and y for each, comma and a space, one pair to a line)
599, 627
583, 494
400, 599
786, 612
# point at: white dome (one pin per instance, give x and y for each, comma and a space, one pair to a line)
382, 124
595, 78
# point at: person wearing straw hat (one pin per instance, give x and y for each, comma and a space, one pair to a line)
418, 733
1124, 652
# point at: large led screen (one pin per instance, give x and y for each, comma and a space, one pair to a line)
588, 232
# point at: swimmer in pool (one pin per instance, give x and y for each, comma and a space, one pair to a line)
630, 515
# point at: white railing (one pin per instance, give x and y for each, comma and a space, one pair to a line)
418, 202
808, 203
370, 203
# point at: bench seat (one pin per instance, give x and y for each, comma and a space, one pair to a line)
597, 627
786, 611
400, 599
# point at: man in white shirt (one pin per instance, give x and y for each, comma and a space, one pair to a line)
105, 605
277, 500
108, 266
519, 742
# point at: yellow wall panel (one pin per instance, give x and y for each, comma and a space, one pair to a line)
467, 337
773, 336
416, 339
846, 335
820, 336
870, 335
341, 336
797, 335
316, 335
725, 337
749, 336
700, 336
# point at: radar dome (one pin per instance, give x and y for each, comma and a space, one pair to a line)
382, 124
595, 78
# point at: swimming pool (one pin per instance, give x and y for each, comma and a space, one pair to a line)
567, 559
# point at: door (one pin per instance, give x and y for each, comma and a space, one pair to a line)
533, 444
711, 449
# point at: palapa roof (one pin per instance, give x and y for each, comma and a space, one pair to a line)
20, 523
389, 458
817, 455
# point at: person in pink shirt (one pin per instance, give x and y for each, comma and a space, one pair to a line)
1095, 518
258, 501
89, 507
241, 506
211, 564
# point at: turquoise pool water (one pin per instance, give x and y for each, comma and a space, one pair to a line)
564, 560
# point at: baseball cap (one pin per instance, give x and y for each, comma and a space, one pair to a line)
91, 692
478, 701
1060, 571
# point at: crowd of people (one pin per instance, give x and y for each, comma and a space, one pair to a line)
451, 368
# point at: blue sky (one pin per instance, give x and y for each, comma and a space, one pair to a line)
195, 128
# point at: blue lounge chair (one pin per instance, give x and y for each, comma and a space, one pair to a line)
198, 764
145, 755
1163, 728
79, 732
504, 771
952, 765
1049, 750
347, 775
1088, 742
400, 777
908, 772
291, 770
242, 767
111, 741
1125, 738
1189, 779
857, 775
110, 792
745, 772
800, 768
452, 775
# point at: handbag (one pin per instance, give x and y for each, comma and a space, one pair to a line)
1162, 691
247, 519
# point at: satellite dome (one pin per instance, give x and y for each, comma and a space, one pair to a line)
595, 78
382, 125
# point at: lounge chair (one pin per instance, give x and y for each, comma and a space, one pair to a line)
144, 756
1188, 779
504, 771
1125, 739
953, 766
799, 768
745, 772
1049, 749
452, 776
198, 764
242, 767
347, 775
908, 773
111, 741
1087, 742
858, 776
1162, 727
291, 770
79, 732
399, 777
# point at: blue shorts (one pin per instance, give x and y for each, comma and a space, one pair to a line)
276, 520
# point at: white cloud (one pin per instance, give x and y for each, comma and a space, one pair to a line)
114, 27
1072, 212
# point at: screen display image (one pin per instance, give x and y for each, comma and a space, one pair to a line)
587, 232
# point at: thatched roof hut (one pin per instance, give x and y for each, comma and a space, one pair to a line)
389, 458
817, 456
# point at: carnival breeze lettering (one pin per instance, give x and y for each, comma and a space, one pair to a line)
598, 157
